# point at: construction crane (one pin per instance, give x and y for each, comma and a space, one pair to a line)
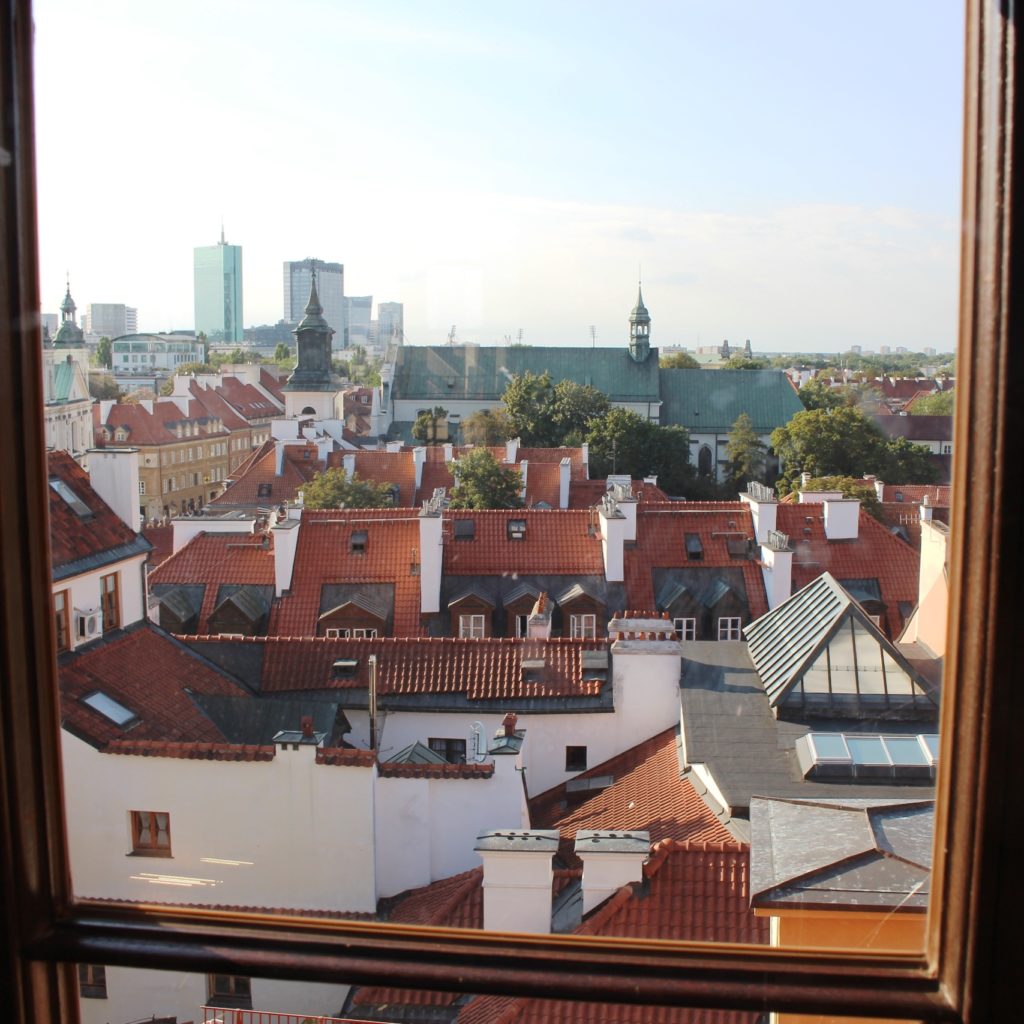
451, 335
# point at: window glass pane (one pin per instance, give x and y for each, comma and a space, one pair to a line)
830, 747
867, 750
906, 750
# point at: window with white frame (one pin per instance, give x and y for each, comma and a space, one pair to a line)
583, 627
471, 627
686, 628
729, 627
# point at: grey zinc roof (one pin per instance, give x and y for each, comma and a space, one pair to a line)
376, 598
868, 854
706, 583
258, 720
710, 401
434, 373
184, 601
252, 601
417, 753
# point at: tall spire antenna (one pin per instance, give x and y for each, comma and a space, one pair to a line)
222, 242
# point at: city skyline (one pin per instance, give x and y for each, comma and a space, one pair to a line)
772, 183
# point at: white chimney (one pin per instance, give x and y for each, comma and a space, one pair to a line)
564, 476
278, 458
182, 402
286, 540
627, 505
610, 861
777, 568
348, 461
517, 879
105, 406
448, 454
511, 449
114, 476
419, 457
842, 518
284, 430
431, 558
585, 448
764, 507
523, 470
926, 509
613, 537
878, 486
393, 446
184, 528
817, 497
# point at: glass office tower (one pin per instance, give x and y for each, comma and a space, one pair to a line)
218, 292
330, 286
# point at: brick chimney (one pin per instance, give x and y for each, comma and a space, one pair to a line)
517, 879
611, 859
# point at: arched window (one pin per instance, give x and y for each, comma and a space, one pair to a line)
704, 460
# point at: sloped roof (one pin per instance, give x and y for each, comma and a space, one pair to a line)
162, 539
417, 753
149, 674
875, 553
248, 401
866, 854
273, 384
587, 493
711, 402
784, 642
156, 428
96, 537
648, 792
299, 465
912, 494
438, 373
917, 428
385, 467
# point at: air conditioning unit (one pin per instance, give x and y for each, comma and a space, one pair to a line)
88, 623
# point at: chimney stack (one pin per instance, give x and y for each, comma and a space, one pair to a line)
431, 558
511, 449
564, 477
842, 518
114, 476
611, 859
517, 879
764, 507
419, 457
614, 526
777, 568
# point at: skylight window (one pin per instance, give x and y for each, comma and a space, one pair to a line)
694, 547
516, 529
72, 500
358, 541
110, 709
826, 755
465, 529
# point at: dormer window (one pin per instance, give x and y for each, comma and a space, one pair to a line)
120, 435
344, 668
516, 529
694, 547
464, 529
264, 490
357, 543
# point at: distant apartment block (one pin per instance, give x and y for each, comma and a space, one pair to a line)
390, 323
218, 291
144, 353
357, 320
330, 286
110, 319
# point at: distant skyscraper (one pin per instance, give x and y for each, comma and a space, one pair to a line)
390, 323
357, 319
218, 291
110, 319
330, 284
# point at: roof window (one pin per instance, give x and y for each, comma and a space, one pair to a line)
72, 500
694, 547
264, 490
110, 709
516, 529
345, 668
829, 755
357, 542
464, 529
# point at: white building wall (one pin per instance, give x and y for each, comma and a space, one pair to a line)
85, 593
302, 833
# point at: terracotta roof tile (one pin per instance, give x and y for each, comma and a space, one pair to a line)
215, 560
215, 405
152, 676
435, 474
938, 494
248, 401
273, 384
162, 539
385, 467
299, 465
455, 902
587, 493
394, 770
158, 427
649, 793
543, 482
347, 757
73, 536
192, 751
875, 554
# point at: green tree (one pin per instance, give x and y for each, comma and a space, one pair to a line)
907, 463
527, 400
849, 488
741, 362
333, 488
941, 403
104, 353
427, 427
623, 442
481, 481
282, 353
817, 393
678, 361
487, 427
746, 452
572, 408
103, 387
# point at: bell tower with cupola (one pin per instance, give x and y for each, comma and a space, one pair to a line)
310, 389
639, 329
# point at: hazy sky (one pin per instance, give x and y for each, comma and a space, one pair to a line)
783, 171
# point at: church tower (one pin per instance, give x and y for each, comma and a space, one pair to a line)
639, 329
310, 389
69, 334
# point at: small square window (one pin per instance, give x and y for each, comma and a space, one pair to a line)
358, 542
452, 750
686, 629
583, 627
264, 490
575, 759
694, 547
151, 833
516, 529
464, 529
471, 627
729, 627
229, 990
92, 981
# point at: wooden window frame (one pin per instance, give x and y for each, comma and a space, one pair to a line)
977, 885
62, 616
583, 626
468, 629
114, 602
151, 848
92, 981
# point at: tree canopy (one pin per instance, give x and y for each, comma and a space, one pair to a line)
678, 361
487, 427
818, 393
431, 426
334, 488
849, 488
623, 442
742, 362
746, 452
481, 481
546, 415
103, 387
843, 442
941, 403
104, 353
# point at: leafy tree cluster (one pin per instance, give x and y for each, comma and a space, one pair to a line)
546, 415
104, 353
849, 488
487, 427
431, 426
742, 362
481, 481
623, 442
358, 368
678, 361
844, 442
941, 403
103, 387
334, 488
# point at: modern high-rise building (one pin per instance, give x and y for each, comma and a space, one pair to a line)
390, 323
330, 283
357, 319
218, 292
110, 319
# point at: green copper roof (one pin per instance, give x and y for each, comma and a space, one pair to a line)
434, 373
63, 378
639, 313
710, 401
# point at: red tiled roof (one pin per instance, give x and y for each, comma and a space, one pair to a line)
322, 556
397, 770
71, 537
938, 494
578, 468
456, 902
543, 482
192, 751
648, 793
333, 915
905, 387
435, 474
347, 757
162, 539
272, 383
481, 669
216, 405
661, 544
145, 428
248, 401
150, 675
261, 468
587, 493
215, 559
556, 541
384, 468
875, 554
917, 428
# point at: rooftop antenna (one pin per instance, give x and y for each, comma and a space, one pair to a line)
593, 336
519, 336
222, 242
451, 335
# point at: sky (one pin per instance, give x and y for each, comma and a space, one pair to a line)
784, 171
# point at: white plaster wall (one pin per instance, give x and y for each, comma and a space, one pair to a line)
137, 994
305, 830
85, 592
